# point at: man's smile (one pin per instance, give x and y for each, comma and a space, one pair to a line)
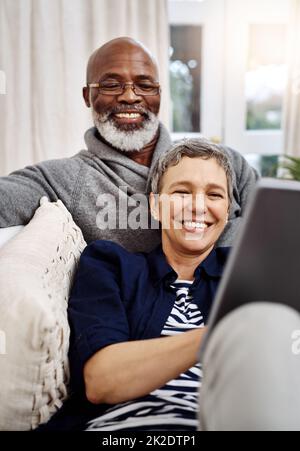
129, 117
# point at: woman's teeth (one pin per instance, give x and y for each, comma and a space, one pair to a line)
195, 225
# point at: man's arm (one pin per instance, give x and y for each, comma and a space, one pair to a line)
20, 192
125, 371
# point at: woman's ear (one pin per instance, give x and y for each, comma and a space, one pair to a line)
154, 205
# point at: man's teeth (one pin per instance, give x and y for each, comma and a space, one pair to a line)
129, 115
195, 225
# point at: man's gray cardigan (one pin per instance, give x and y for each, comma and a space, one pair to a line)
82, 180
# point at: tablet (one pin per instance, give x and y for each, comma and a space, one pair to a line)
264, 264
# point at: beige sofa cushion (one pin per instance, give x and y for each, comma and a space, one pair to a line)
36, 271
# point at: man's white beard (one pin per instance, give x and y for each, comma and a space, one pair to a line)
127, 141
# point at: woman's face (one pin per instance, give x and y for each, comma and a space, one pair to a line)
193, 205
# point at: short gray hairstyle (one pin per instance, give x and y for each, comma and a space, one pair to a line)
193, 148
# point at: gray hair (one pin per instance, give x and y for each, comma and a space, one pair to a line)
193, 148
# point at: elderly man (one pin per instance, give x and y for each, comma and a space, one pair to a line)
124, 95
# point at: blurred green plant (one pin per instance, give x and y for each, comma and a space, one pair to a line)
292, 165
269, 165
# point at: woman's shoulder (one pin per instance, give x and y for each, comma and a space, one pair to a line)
110, 251
222, 254
223, 250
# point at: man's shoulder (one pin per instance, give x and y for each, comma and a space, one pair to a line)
62, 169
67, 163
243, 171
235, 156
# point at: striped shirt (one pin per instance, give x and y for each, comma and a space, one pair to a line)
174, 406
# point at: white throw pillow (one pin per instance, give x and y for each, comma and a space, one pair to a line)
36, 271
8, 233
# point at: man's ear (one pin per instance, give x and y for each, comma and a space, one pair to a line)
86, 96
154, 205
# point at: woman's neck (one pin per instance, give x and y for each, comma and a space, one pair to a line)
184, 264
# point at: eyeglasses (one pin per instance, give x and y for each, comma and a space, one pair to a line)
116, 88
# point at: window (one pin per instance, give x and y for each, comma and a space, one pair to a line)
256, 53
196, 59
266, 76
228, 72
185, 73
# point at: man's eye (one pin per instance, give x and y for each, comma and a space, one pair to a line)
145, 86
110, 85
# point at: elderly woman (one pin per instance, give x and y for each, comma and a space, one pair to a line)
138, 319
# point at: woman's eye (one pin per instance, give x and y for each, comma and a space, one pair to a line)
216, 195
181, 193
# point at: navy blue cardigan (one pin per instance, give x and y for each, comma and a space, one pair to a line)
120, 296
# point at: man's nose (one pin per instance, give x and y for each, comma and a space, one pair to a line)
129, 96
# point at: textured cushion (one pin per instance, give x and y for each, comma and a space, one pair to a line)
36, 271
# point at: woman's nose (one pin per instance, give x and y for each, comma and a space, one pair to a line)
200, 203
197, 204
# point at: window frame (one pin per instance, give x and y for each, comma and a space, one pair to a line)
224, 59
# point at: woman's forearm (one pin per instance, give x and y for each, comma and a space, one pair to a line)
125, 371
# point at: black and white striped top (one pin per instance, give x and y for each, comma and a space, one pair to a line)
174, 406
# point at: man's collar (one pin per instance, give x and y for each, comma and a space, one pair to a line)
96, 145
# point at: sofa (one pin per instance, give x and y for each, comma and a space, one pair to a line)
37, 266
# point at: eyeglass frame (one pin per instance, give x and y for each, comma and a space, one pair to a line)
123, 86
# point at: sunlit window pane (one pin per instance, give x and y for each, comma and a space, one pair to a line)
266, 76
185, 73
